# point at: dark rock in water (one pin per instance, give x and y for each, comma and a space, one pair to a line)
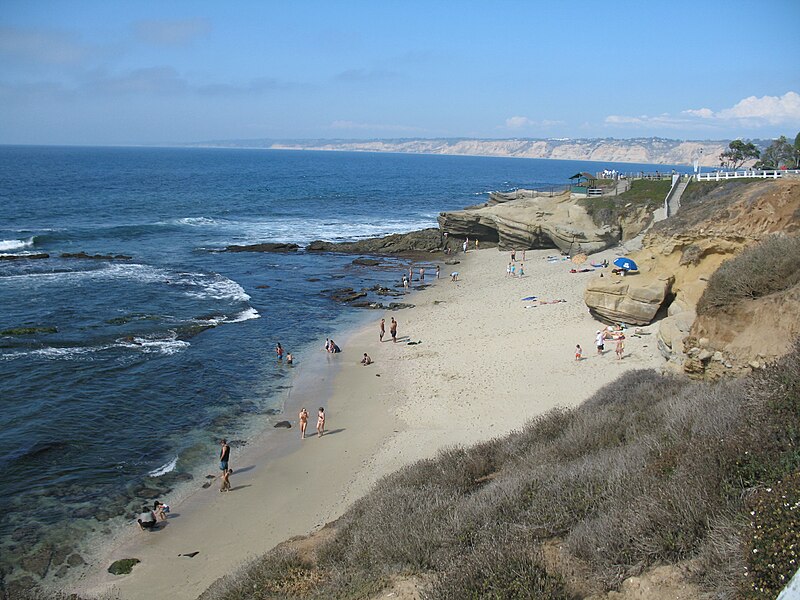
83, 255
102, 514
423, 240
75, 560
18, 587
28, 330
30, 534
452, 262
367, 262
262, 287
62, 572
272, 411
284, 424
265, 247
346, 295
123, 566
237, 443
60, 554
148, 493
24, 256
366, 304
84, 512
399, 305
313, 279
38, 562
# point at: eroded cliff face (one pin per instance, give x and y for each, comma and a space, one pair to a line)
529, 220
686, 249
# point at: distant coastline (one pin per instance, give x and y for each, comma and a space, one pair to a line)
634, 150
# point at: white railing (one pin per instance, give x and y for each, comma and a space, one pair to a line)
746, 174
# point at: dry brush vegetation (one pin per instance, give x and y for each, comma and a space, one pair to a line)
653, 469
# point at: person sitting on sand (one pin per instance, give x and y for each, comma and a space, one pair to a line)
366, 360
320, 422
160, 509
147, 519
303, 418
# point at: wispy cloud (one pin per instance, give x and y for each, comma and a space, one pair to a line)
152, 80
171, 33
519, 122
41, 47
752, 112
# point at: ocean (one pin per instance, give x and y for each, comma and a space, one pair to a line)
119, 375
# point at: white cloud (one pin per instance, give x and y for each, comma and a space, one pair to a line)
522, 122
750, 112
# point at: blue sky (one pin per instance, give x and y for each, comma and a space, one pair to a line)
113, 72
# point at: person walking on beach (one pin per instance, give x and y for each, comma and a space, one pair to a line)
224, 460
464, 245
303, 418
383, 329
476, 244
508, 270
578, 351
437, 271
521, 269
393, 330
600, 342
405, 282
279, 351
513, 255
421, 274
320, 422
513, 270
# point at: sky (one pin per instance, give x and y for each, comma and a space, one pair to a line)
139, 72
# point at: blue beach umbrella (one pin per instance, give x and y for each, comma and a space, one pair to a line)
625, 263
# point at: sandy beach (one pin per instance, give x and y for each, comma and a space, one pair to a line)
484, 363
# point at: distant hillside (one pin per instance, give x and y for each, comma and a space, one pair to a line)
635, 150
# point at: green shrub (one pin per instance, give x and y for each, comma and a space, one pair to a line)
768, 267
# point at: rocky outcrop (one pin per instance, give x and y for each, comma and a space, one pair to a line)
85, 256
628, 299
424, 240
264, 247
37, 256
532, 221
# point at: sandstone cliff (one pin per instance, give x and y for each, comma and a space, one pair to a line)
714, 224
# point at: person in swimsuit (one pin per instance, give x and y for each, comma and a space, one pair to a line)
437, 271
620, 349
279, 351
393, 330
578, 352
366, 360
383, 329
422, 273
289, 358
320, 422
224, 455
303, 422
160, 509
521, 270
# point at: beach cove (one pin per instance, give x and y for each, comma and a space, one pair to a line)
484, 363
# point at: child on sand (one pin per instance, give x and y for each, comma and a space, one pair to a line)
303, 418
521, 270
320, 422
366, 360
620, 349
225, 485
578, 352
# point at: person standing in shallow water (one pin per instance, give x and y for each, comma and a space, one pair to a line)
320, 422
279, 351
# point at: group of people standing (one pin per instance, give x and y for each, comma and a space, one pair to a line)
279, 354
303, 418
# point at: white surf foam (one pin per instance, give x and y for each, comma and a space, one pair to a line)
13, 245
217, 287
245, 315
164, 469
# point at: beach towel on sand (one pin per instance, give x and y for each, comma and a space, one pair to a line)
529, 298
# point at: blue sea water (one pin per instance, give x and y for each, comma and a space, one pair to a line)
135, 367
